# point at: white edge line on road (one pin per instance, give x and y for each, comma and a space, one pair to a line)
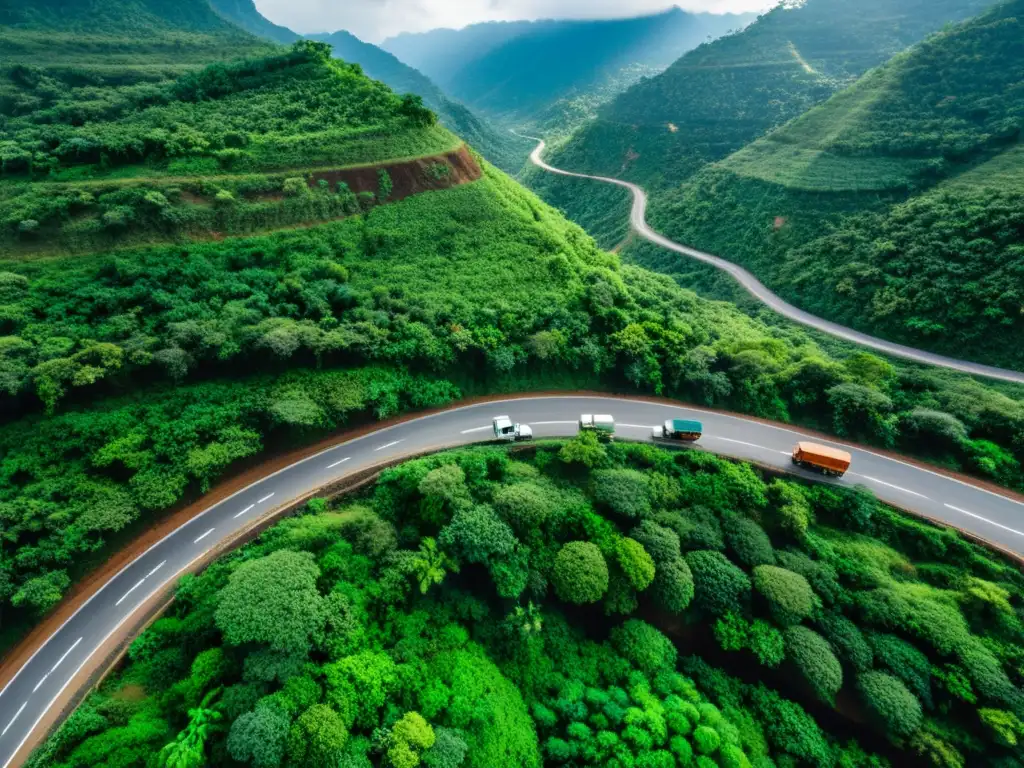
474, 429
265, 498
898, 488
125, 595
156, 569
984, 519
388, 445
20, 710
332, 466
243, 511
85, 661
204, 535
489, 405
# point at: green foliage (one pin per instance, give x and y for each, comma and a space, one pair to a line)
622, 491
748, 541
580, 573
382, 674
636, 564
813, 656
272, 601
894, 708
719, 586
789, 596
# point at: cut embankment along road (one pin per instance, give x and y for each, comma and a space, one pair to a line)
62, 663
638, 223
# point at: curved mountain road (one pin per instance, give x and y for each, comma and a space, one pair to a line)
756, 288
43, 679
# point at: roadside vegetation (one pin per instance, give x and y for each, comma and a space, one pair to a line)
573, 604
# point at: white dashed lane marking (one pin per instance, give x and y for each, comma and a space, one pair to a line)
636, 426
749, 445
342, 461
54, 667
125, 595
245, 510
203, 536
389, 445
541, 423
896, 487
474, 429
265, 498
8, 726
984, 519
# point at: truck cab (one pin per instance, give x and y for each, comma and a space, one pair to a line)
504, 429
601, 423
682, 430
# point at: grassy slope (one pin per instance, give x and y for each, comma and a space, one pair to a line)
900, 200
723, 95
878, 630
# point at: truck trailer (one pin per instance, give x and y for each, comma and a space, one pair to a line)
601, 423
828, 461
684, 430
505, 429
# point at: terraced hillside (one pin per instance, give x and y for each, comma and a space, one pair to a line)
721, 96
896, 207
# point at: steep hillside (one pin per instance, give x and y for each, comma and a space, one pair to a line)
172, 33
896, 207
498, 146
562, 60
726, 93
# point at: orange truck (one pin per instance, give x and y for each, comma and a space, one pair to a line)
829, 461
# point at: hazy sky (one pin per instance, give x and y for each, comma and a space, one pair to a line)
373, 20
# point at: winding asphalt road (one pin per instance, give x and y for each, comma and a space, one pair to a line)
42, 680
638, 221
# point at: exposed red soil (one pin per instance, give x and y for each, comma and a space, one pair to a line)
88, 586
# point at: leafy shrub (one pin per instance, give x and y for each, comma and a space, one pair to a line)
580, 573
789, 596
295, 186
719, 586
661, 543
706, 739
673, 585
748, 541
636, 564
646, 648
903, 660
623, 491
892, 707
847, 640
813, 656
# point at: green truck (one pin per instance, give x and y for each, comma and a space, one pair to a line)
683, 430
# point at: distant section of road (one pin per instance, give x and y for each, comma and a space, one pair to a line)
755, 287
43, 679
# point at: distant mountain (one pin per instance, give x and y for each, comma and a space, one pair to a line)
897, 206
724, 94
440, 53
244, 14
137, 16
518, 71
501, 148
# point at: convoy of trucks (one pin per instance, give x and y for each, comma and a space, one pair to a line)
820, 458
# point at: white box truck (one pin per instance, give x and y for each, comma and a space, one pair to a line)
504, 429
